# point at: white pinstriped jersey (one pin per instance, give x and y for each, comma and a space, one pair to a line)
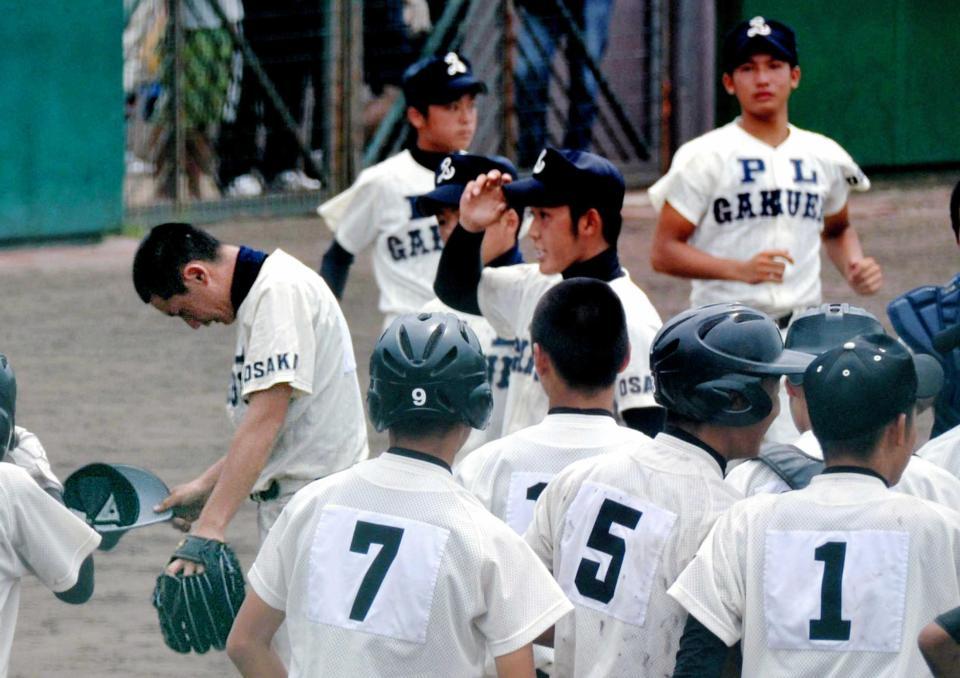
616, 530
290, 331
390, 568
921, 478
508, 297
745, 196
377, 209
944, 451
834, 580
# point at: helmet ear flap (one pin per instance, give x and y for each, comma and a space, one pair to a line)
375, 407
720, 397
479, 406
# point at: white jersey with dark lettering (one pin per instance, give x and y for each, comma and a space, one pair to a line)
944, 451
745, 196
616, 530
499, 353
508, 297
921, 478
392, 569
377, 209
834, 580
290, 331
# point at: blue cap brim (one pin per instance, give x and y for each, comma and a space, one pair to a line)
456, 88
442, 197
531, 191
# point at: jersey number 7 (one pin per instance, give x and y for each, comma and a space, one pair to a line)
364, 535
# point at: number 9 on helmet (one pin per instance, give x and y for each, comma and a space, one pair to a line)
429, 366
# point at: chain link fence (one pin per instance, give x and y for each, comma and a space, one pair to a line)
267, 107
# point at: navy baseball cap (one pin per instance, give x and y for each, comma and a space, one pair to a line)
440, 80
567, 177
452, 176
114, 498
758, 36
863, 384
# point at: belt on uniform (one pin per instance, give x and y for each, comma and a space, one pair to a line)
784, 321
272, 492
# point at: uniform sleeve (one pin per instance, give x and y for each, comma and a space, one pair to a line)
844, 176
504, 295
473, 474
711, 587
635, 383
282, 344
29, 455
354, 215
688, 185
541, 534
522, 599
267, 575
49, 540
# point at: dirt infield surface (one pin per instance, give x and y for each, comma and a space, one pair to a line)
103, 377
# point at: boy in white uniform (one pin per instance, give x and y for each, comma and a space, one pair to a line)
616, 529
38, 534
390, 567
575, 198
377, 208
786, 467
838, 578
293, 395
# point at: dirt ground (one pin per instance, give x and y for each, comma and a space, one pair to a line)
102, 377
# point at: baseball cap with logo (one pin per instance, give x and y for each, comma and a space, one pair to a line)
114, 498
452, 176
567, 177
440, 80
864, 383
758, 36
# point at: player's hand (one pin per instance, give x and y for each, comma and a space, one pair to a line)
187, 501
482, 203
500, 238
766, 267
188, 567
864, 275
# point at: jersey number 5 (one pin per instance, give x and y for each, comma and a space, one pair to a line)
600, 539
364, 536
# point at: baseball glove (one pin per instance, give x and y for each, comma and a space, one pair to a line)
197, 612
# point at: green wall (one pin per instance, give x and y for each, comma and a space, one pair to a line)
61, 118
882, 77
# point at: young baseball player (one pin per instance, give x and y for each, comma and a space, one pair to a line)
575, 198
939, 643
440, 93
786, 467
499, 248
617, 528
38, 534
390, 567
293, 396
837, 578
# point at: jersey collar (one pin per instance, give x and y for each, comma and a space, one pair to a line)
691, 439
605, 266
245, 272
420, 456
593, 411
862, 470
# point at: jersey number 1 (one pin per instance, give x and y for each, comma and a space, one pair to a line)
600, 539
831, 626
364, 535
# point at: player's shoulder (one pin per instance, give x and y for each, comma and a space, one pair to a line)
815, 143
944, 450
636, 304
716, 142
518, 274
395, 166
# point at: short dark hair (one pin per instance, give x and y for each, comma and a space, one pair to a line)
863, 445
161, 256
580, 324
610, 220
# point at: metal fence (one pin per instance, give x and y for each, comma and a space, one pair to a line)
269, 106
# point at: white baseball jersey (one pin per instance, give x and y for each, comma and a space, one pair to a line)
377, 207
390, 568
745, 196
944, 451
29, 455
499, 352
834, 580
290, 331
508, 297
38, 536
616, 530
920, 478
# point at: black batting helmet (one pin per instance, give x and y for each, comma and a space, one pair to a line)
817, 330
708, 364
8, 404
429, 365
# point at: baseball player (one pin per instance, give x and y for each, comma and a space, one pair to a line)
837, 578
744, 208
293, 396
390, 567
38, 535
944, 451
575, 198
617, 528
787, 467
939, 643
440, 94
